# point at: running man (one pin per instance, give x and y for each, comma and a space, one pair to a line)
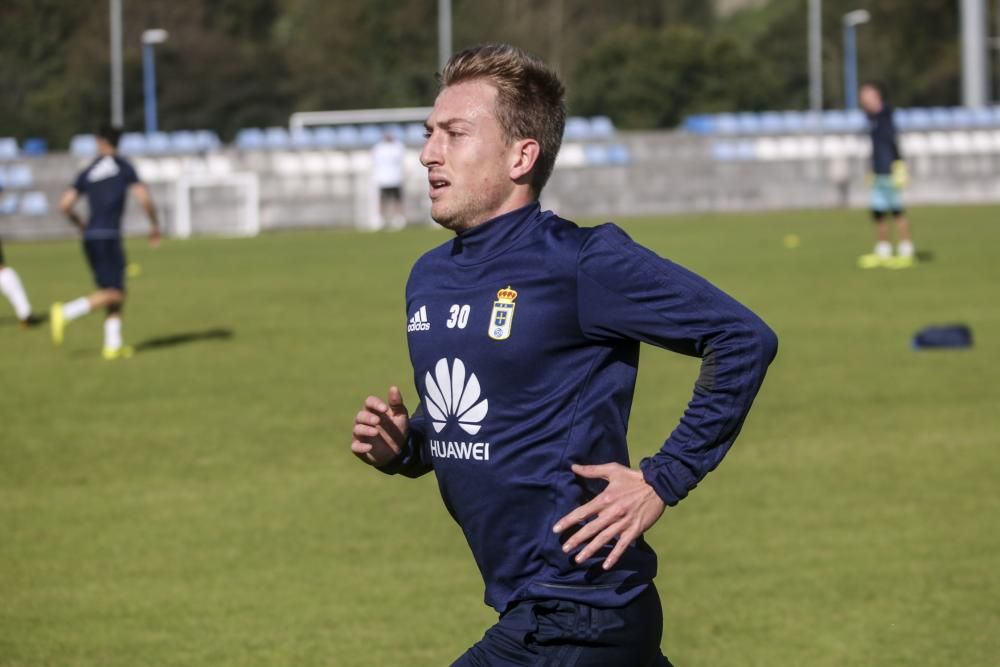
889, 177
526, 369
106, 183
10, 285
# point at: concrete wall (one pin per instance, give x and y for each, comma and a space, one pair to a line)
656, 173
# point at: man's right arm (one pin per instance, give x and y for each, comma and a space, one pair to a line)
66, 204
384, 436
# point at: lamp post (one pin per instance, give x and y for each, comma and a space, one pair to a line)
149, 39
850, 21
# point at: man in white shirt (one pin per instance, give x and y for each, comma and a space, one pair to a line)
387, 170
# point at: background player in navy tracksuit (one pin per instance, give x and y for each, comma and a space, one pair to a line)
106, 182
888, 178
524, 335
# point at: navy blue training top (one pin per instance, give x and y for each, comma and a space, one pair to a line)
106, 182
885, 149
524, 337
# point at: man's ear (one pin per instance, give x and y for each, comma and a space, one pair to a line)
524, 154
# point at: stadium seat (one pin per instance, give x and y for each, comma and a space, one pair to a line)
324, 137
83, 145
276, 138
723, 151
8, 148
348, 136
133, 143
19, 176
35, 146
962, 118
748, 122
414, 134
207, 140
941, 118
746, 149
903, 119
34, 203
793, 122
571, 155
596, 154
726, 123
8, 203
577, 129
980, 117
619, 154
920, 119
158, 142
370, 134
395, 129
699, 124
601, 127
835, 120
771, 123
184, 141
302, 137
996, 116
250, 139
914, 144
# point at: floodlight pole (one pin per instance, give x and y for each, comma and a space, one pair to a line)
975, 64
851, 20
444, 32
816, 55
149, 39
117, 85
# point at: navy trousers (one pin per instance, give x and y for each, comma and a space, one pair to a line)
557, 633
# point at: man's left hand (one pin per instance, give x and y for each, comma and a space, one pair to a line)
626, 508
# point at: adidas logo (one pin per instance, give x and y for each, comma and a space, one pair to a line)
419, 321
450, 394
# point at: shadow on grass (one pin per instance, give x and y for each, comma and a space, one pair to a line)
173, 340
33, 320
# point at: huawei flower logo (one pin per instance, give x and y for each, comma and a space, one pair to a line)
450, 394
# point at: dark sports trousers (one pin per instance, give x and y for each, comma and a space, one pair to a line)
107, 262
557, 633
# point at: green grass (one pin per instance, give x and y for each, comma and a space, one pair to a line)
197, 504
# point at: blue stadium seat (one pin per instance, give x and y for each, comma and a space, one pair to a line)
996, 116
370, 134
601, 127
941, 118
348, 136
699, 124
414, 134
619, 154
324, 137
577, 129
207, 140
35, 146
276, 138
250, 138
746, 149
34, 203
903, 118
748, 122
158, 142
981, 117
83, 145
596, 155
727, 123
8, 203
724, 151
771, 123
184, 141
794, 121
920, 119
19, 176
133, 143
962, 117
856, 120
302, 137
835, 120
8, 148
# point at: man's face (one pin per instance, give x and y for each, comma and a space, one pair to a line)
467, 158
870, 99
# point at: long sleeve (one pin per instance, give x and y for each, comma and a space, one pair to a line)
626, 292
412, 461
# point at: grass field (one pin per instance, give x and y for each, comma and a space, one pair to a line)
198, 505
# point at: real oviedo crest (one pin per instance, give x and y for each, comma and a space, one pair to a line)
503, 314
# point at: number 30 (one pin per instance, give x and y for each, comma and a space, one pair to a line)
459, 316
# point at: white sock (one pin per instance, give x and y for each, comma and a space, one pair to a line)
883, 249
10, 285
113, 333
76, 308
904, 248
